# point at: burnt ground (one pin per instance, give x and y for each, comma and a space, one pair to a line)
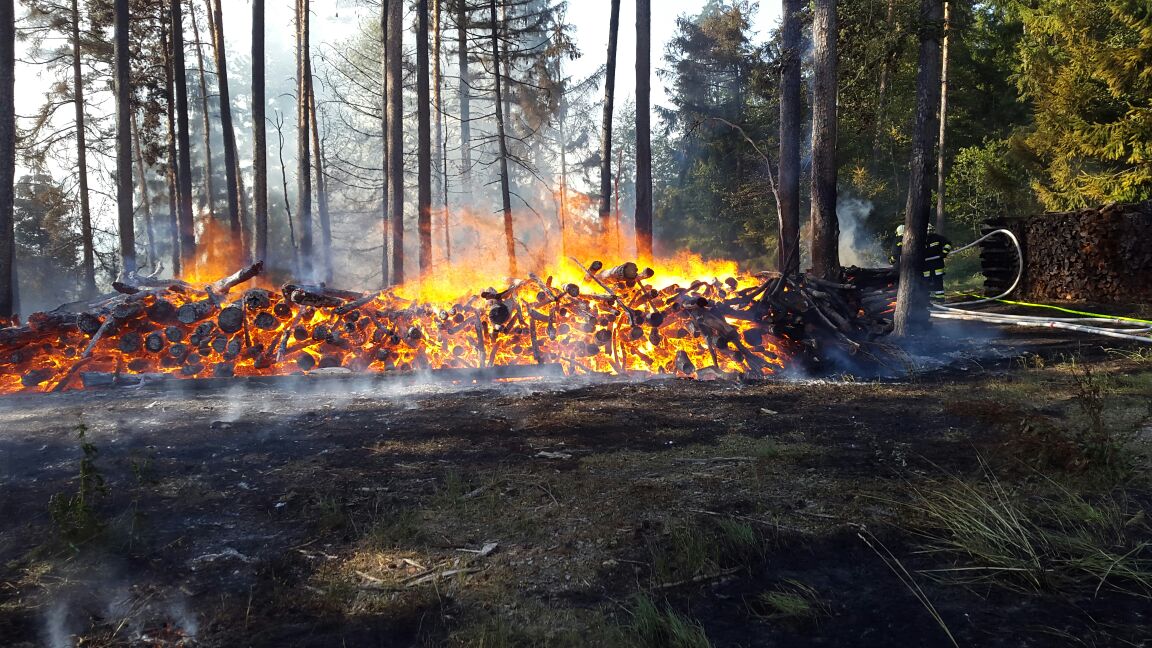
665, 512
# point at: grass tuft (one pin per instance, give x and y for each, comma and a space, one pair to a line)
656, 627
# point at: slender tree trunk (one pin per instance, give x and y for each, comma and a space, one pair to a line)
321, 181
941, 216
825, 227
563, 207
439, 152
209, 174
260, 134
423, 139
790, 108
173, 192
287, 198
911, 297
7, 157
606, 119
184, 168
124, 140
882, 87
465, 98
505, 196
385, 258
303, 156
644, 129
88, 285
395, 90
231, 159
145, 197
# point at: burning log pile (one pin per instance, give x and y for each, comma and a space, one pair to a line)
1097, 255
610, 320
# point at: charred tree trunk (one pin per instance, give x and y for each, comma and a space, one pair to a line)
385, 259
395, 112
790, 108
644, 129
184, 166
7, 157
825, 227
606, 119
88, 285
440, 152
231, 160
145, 197
941, 216
303, 156
911, 299
423, 140
465, 98
209, 174
321, 181
124, 140
505, 195
173, 193
260, 134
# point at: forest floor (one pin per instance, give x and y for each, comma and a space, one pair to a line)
998, 500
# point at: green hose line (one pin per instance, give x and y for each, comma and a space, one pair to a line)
1066, 310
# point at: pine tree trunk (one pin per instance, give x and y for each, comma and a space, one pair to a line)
260, 134
644, 129
184, 166
882, 87
124, 140
465, 98
7, 157
303, 156
209, 174
287, 197
605, 210
790, 109
439, 151
88, 285
145, 197
321, 181
825, 227
423, 139
911, 314
385, 258
941, 216
502, 143
395, 90
173, 192
231, 159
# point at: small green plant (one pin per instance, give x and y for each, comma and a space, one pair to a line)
742, 543
75, 515
393, 527
792, 601
683, 553
653, 627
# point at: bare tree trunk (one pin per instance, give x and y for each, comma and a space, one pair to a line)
287, 198
209, 174
231, 159
882, 88
145, 197
825, 227
385, 258
644, 129
303, 156
911, 297
465, 98
184, 168
260, 134
423, 140
505, 196
321, 181
395, 91
124, 141
790, 108
7, 157
440, 152
941, 216
88, 285
606, 119
173, 192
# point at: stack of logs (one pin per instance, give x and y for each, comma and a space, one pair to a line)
622, 324
1101, 254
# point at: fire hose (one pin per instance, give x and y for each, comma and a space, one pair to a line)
1124, 328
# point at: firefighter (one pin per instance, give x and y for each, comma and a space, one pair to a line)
936, 251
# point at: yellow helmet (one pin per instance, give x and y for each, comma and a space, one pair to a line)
899, 230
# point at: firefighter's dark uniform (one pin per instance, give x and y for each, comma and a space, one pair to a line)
936, 251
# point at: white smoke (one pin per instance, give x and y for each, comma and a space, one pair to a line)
858, 246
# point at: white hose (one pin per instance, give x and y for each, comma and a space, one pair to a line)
1019, 266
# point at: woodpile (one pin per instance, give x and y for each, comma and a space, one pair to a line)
1100, 255
611, 320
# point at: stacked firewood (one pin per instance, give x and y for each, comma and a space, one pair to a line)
612, 320
1101, 254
